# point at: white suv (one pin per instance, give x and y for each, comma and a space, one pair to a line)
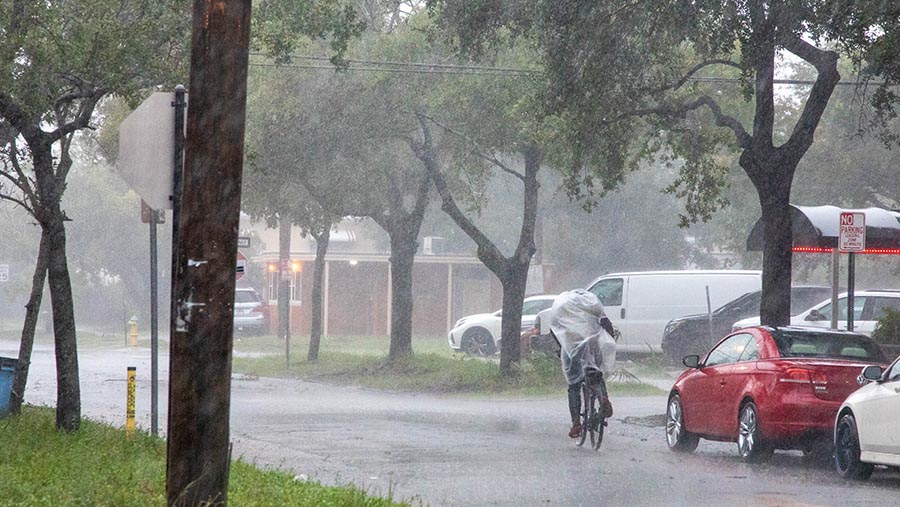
868, 307
249, 312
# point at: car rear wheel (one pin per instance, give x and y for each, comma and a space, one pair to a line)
846, 451
751, 445
478, 342
678, 438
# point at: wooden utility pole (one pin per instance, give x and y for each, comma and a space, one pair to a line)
204, 278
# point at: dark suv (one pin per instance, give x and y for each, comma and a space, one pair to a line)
693, 334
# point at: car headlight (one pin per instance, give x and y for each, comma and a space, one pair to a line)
459, 322
672, 326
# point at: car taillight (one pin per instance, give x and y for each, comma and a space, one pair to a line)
803, 376
256, 309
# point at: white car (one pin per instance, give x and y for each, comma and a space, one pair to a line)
867, 428
479, 334
868, 307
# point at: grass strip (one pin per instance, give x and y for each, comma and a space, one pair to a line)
424, 372
99, 466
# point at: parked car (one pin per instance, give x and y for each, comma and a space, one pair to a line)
768, 388
249, 312
867, 428
695, 334
640, 304
479, 334
868, 307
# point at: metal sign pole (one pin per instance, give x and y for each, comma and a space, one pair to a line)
154, 326
850, 283
835, 284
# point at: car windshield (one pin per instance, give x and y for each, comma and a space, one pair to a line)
747, 301
245, 296
826, 345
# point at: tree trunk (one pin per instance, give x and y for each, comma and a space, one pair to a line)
513, 283
315, 332
775, 307
68, 391
284, 285
32, 311
403, 252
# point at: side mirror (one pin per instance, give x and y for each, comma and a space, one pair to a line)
692, 361
814, 315
872, 372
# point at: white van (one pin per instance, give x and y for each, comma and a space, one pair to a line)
640, 304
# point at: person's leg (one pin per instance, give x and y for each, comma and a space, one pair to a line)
575, 409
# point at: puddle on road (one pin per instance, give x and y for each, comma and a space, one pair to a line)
650, 421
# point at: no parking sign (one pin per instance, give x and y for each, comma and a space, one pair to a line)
852, 234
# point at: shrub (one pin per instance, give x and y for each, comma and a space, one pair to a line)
887, 329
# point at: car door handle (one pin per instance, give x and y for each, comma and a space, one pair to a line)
622, 313
722, 383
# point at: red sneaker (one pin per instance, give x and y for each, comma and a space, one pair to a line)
575, 432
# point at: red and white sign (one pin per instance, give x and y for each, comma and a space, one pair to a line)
241, 266
852, 235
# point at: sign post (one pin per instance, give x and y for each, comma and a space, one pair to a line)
240, 267
851, 239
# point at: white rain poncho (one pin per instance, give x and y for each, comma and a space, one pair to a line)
575, 320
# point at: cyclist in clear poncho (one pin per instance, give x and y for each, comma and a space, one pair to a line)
587, 347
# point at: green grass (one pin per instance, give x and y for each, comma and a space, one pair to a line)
433, 368
88, 339
99, 466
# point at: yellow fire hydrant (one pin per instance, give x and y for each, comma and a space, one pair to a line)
132, 332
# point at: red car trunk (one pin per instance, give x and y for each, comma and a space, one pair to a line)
831, 380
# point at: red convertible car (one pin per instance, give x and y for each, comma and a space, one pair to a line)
767, 388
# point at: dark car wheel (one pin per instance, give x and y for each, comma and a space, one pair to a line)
846, 451
751, 445
478, 342
678, 438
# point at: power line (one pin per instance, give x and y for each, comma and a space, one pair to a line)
414, 64
476, 70
392, 70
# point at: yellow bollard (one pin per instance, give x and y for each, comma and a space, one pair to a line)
129, 409
132, 333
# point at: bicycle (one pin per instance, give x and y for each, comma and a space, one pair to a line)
593, 410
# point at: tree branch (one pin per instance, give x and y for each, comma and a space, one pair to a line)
690, 73
17, 118
722, 119
82, 119
25, 184
825, 63
477, 149
488, 252
22, 203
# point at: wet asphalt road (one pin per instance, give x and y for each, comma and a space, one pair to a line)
466, 451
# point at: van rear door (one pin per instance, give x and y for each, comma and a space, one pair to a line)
611, 292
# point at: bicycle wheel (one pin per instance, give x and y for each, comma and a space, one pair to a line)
585, 414
598, 419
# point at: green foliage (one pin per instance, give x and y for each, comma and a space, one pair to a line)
887, 329
98, 466
281, 26
55, 55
